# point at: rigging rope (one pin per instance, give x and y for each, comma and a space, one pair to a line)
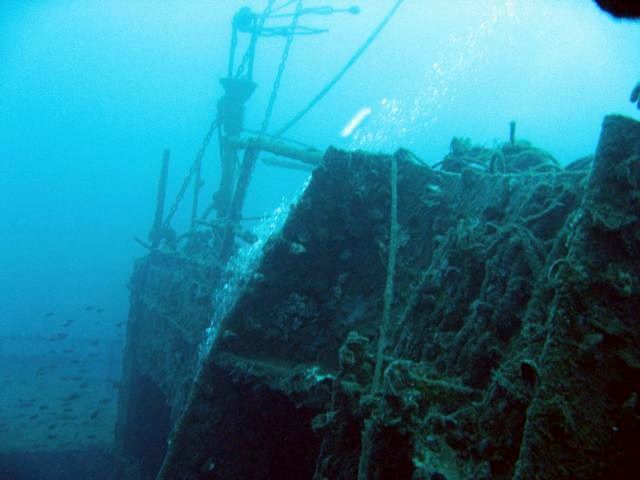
391, 270
326, 10
370, 426
344, 70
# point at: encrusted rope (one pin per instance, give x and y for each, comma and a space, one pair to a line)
391, 268
366, 442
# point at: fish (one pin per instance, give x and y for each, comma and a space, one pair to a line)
68, 322
89, 308
71, 397
58, 336
94, 414
49, 314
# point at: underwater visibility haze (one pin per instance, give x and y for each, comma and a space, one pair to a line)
106, 318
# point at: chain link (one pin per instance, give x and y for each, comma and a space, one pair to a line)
194, 166
269, 110
251, 153
247, 58
283, 62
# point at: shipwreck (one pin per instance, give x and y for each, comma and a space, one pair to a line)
477, 318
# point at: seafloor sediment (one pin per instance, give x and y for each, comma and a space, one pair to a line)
513, 347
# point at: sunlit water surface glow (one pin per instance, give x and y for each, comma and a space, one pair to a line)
530, 45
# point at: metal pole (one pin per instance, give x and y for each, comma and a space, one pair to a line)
310, 156
235, 208
196, 191
156, 231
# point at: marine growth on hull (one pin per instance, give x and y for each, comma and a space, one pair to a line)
239, 244
474, 319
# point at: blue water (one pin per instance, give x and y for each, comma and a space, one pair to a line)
91, 93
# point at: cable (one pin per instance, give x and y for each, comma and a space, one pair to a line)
344, 69
355, 10
287, 31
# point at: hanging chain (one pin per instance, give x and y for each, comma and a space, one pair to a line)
248, 52
247, 58
192, 170
283, 62
269, 110
251, 153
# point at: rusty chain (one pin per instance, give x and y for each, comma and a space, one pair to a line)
192, 170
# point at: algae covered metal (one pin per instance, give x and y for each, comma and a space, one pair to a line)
512, 349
